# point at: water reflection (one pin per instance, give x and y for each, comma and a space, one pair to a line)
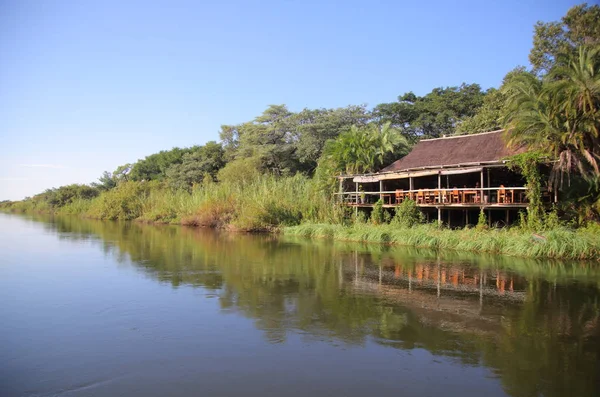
534, 323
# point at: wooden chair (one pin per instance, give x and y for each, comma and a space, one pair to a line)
420, 196
426, 196
399, 196
502, 196
455, 198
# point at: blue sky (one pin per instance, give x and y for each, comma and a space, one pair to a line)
86, 86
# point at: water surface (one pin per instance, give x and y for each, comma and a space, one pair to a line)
104, 309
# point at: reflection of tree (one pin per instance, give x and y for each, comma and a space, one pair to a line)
543, 343
550, 346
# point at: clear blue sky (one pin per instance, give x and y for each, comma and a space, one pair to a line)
86, 86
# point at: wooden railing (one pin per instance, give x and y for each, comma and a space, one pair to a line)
483, 196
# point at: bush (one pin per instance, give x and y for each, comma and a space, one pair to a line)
125, 202
377, 216
482, 222
408, 214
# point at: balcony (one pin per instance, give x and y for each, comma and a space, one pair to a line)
501, 196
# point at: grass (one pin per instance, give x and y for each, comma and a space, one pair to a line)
295, 206
262, 204
561, 243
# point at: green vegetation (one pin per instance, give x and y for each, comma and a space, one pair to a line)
279, 169
557, 243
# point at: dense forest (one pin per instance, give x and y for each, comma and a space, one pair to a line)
278, 168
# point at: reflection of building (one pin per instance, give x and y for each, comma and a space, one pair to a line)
450, 296
451, 179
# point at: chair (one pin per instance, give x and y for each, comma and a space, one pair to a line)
427, 196
502, 196
455, 198
420, 196
399, 196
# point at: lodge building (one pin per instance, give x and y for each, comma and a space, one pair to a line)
451, 179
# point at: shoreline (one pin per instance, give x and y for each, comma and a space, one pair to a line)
562, 243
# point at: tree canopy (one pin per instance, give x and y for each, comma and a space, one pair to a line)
551, 40
434, 115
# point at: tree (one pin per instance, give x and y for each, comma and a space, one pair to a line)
154, 167
490, 116
285, 142
487, 118
204, 162
105, 182
363, 149
581, 26
559, 114
433, 115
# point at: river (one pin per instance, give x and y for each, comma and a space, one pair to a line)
93, 308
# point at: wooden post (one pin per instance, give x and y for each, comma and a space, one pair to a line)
439, 216
507, 217
356, 207
481, 187
410, 186
555, 195
381, 190
467, 217
439, 188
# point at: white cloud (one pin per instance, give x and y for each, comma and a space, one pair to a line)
42, 166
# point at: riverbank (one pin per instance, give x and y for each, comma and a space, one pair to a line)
297, 206
561, 243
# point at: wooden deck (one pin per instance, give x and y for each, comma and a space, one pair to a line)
448, 205
455, 198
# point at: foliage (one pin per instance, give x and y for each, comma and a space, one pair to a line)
377, 216
560, 115
408, 214
155, 166
61, 196
528, 164
488, 116
241, 171
553, 40
433, 115
125, 202
105, 182
285, 142
482, 222
363, 149
557, 243
204, 161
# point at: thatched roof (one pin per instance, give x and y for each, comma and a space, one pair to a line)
487, 147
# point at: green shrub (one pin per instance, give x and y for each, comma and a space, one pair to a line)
482, 222
377, 216
408, 214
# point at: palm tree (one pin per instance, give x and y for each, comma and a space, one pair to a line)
559, 115
361, 150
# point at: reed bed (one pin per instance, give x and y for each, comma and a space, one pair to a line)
562, 243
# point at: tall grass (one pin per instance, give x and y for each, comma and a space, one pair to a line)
263, 203
298, 207
560, 243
